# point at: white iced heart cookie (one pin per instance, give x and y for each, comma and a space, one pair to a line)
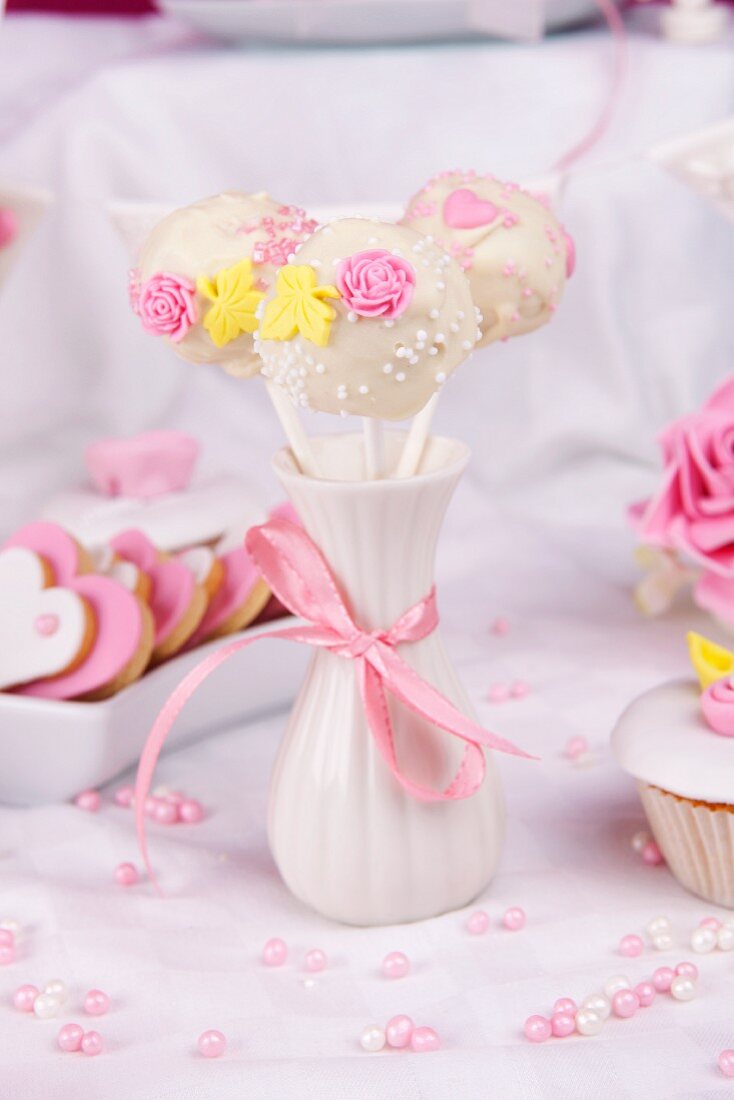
107, 564
43, 631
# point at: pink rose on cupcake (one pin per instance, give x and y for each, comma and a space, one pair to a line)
375, 283
166, 305
693, 512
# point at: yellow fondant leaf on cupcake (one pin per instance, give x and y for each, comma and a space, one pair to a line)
235, 302
299, 306
711, 661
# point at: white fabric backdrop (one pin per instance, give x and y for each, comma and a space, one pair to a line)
562, 437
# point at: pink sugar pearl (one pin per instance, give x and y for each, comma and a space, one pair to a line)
519, 689
126, 874
89, 801
211, 1044
8, 226
96, 1003
70, 1037
662, 979
24, 997
710, 922
631, 946
424, 1039
91, 1043
651, 854
575, 747
6, 936
124, 796
564, 1006
275, 952
625, 1003
165, 813
563, 1024
396, 965
499, 693
7, 954
190, 811
478, 922
687, 970
646, 993
315, 960
537, 1029
500, 626
514, 919
399, 1031
726, 1063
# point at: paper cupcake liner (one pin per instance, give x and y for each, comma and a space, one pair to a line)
697, 841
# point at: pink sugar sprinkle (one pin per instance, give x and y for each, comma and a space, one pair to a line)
478, 922
575, 747
519, 689
124, 796
631, 946
498, 693
687, 970
651, 854
89, 801
191, 811
126, 874
500, 626
710, 922
514, 919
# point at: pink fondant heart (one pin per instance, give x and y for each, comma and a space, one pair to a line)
172, 582
463, 209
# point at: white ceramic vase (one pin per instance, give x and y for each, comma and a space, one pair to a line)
346, 837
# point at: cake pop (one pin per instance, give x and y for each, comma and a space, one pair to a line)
205, 268
515, 253
368, 319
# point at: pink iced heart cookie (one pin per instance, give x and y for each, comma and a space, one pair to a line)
123, 628
239, 599
176, 600
463, 209
44, 630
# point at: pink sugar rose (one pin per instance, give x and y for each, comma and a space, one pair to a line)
375, 283
166, 305
693, 512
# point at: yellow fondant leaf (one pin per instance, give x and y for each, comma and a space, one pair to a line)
234, 302
711, 661
299, 306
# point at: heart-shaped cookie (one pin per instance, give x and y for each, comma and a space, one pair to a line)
239, 599
463, 209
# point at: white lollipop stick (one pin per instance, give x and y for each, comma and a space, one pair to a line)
410, 459
294, 430
374, 447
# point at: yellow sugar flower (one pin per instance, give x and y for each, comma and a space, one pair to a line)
711, 661
234, 301
299, 306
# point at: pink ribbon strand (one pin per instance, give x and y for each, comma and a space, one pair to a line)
299, 576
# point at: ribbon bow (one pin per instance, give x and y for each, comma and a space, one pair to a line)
299, 576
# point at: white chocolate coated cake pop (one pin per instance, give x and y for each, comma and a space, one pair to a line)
515, 253
368, 319
205, 268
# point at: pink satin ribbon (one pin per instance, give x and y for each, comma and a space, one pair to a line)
300, 577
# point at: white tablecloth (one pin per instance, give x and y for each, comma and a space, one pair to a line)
562, 436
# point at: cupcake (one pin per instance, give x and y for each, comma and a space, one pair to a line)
678, 742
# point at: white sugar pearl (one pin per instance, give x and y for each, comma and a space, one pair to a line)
588, 1022
614, 984
703, 940
638, 842
57, 988
387, 369
46, 1006
320, 368
683, 988
725, 938
663, 941
599, 1004
372, 1039
658, 925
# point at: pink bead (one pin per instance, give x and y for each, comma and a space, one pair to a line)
662, 979
500, 626
726, 1063
91, 1043
7, 954
424, 1039
275, 952
625, 1003
575, 747
24, 997
564, 1006
478, 922
395, 965
514, 918
190, 811
399, 1031
651, 854
631, 946
211, 1044
177, 797
8, 226
6, 936
519, 689
96, 1003
562, 1024
687, 970
498, 693
537, 1029
710, 922
89, 801
150, 804
315, 960
646, 994
165, 813
126, 874
124, 796
70, 1037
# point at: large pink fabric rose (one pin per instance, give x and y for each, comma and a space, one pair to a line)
375, 283
694, 510
166, 305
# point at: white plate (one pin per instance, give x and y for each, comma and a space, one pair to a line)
350, 21
51, 751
